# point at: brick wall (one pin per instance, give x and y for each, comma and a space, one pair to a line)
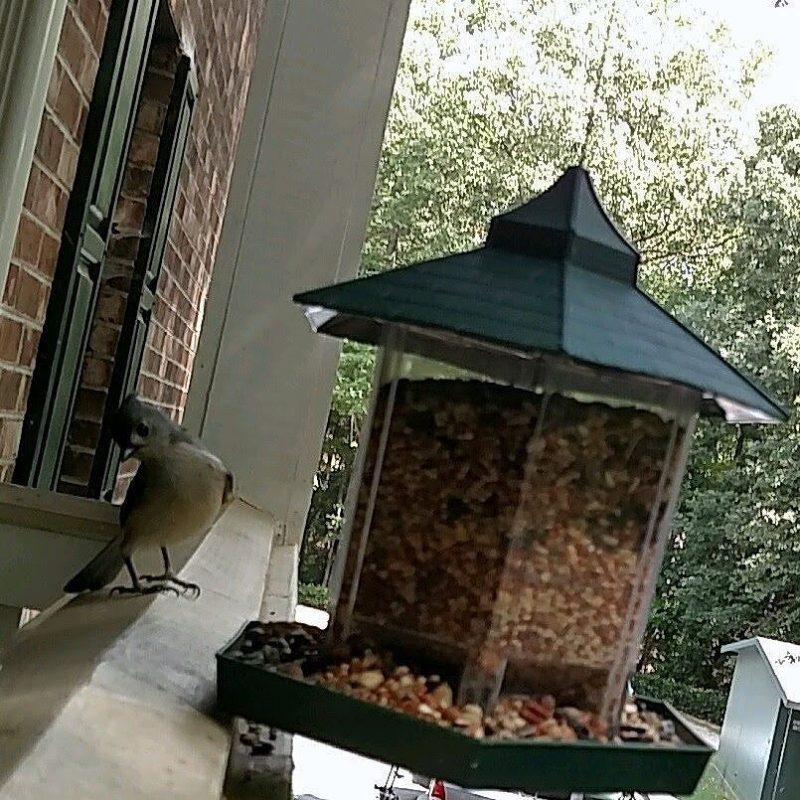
221, 35
129, 213
33, 261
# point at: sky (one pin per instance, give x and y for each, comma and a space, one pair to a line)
751, 21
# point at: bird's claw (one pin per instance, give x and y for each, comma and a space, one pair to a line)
193, 590
157, 588
188, 588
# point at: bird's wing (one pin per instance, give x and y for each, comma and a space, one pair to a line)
180, 435
134, 495
228, 494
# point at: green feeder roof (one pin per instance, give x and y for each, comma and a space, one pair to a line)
555, 277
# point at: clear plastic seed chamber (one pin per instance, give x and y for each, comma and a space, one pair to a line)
517, 476
510, 534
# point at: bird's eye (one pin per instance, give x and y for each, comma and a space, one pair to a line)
142, 430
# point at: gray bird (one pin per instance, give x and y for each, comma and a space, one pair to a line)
179, 491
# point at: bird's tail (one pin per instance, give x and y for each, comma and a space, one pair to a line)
100, 571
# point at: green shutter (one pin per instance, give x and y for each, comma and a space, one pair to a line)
87, 226
160, 203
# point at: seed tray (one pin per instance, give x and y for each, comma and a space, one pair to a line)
297, 706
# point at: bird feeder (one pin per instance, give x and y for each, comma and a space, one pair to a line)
520, 465
522, 460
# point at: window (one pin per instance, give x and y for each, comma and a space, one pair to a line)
111, 252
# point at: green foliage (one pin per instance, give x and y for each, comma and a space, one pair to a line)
494, 98
712, 787
731, 572
313, 595
707, 704
349, 403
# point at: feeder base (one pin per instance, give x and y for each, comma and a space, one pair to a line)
297, 706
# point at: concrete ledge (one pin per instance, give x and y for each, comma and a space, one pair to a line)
280, 595
113, 697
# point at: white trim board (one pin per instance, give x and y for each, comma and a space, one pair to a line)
781, 659
46, 537
29, 33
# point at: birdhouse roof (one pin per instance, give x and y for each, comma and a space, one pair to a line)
782, 660
555, 277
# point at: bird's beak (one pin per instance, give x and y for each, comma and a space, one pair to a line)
127, 452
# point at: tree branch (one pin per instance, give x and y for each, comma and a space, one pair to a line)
706, 250
601, 68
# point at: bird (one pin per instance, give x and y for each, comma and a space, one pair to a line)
179, 491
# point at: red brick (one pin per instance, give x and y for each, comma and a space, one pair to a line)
10, 385
136, 184
225, 35
120, 282
157, 336
45, 199
179, 328
49, 144
185, 308
173, 372
96, 373
68, 163
158, 87
25, 293
69, 106
77, 465
103, 341
84, 115
149, 387
102, 23
169, 395
151, 117
152, 361
30, 347
48, 256
54, 87
111, 307
164, 57
123, 248
144, 148
90, 13
129, 214
28, 244
90, 404
79, 43
10, 430
73, 46
84, 433
88, 74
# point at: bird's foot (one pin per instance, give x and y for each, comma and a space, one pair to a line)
188, 588
156, 588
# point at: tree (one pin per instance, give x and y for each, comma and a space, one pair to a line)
326, 514
732, 573
481, 120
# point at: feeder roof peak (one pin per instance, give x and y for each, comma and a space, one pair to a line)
567, 222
